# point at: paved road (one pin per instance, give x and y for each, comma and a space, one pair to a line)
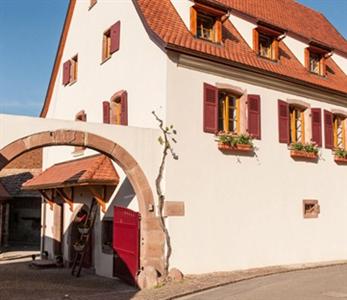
318, 284
19, 282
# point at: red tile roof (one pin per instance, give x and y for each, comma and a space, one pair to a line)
292, 16
163, 21
92, 170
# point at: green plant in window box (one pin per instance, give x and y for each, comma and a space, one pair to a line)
234, 142
306, 150
341, 153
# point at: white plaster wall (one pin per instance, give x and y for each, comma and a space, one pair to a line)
183, 9
245, 28
244, 212
341, 61
297, 47
138, 67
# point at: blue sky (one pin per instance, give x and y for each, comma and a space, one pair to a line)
30, 32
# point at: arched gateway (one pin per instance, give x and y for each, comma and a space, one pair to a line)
152, 237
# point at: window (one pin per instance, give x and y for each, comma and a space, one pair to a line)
311, 209
315, 57
265, 46
111, 41
266, 42
335, 129
106, 45
297, 124
339, 132
315, 63
206, 23
115, 111
230, 111
70, 70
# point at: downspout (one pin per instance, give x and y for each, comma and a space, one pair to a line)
43, 228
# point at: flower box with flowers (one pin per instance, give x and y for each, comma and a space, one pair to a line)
306, 151
229, 143
340, 156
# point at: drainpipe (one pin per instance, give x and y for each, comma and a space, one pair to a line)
43, 228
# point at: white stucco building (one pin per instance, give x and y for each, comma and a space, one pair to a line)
274, 70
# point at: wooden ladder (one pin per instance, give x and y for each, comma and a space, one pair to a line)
84, 240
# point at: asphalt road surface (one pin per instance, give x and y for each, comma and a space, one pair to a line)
327, 283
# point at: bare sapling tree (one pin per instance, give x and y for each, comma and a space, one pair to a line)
166, 140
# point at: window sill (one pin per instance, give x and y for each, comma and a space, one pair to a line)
297, 154
105, 60
268, 59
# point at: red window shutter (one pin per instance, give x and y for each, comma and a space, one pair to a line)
253, 103
317, 126
115, 37
124, 107
328, 129
106, 112
210, 108
66, 72
283, 122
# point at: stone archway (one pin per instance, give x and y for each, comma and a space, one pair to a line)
152, 236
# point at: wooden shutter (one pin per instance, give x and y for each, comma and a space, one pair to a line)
106, 112
317, 126
115, 37
253, 103
193, 21
66, 72
307, 58
275, 50
283, 122
210, 108
256, 41
218, 28
328, 129
124, 108
322, 66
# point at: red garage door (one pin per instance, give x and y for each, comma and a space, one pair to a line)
126, 237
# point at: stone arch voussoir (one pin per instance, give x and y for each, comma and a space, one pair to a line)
152, 236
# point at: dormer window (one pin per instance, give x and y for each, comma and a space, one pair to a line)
315, 62
266, 41
265, 46
315, 57
206, 22
205, 27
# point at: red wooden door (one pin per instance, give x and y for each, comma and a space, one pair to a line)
126, 238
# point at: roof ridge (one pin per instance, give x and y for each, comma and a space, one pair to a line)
77, 159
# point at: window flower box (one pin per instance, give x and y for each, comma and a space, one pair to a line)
303, 154
340, 156
236, 148
304, 151
229, 143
